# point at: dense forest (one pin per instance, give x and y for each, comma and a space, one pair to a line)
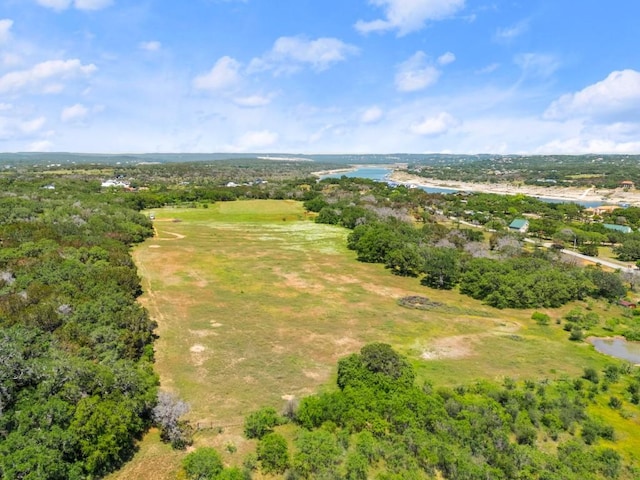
76, 379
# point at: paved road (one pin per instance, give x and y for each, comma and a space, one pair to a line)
572, 253
581, 256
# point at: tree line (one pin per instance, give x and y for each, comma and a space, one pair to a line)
77, 385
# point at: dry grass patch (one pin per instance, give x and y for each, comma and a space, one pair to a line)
270, 302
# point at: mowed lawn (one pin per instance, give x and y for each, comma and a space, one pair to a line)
256, 303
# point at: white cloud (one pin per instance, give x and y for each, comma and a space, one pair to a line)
288, 54
506, 35
492, 67
580, 145
92, 4
432, 126
416, 74
152, 46
371, 115
10, 59
74, 113
616, 95
446, 58
253, 101
50, 70
255, 140
5, 106
32, 126
40, 146
5, 29
537, 64
408, 16
59, 5
224, 74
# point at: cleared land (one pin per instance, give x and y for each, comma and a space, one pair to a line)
255, 302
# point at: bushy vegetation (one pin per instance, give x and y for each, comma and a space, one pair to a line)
401, 229
379, 424
76, 379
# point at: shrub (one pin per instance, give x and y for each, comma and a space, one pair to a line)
273, 453
261, 422
203, 464
541, 318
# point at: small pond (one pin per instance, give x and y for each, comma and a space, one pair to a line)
618, 347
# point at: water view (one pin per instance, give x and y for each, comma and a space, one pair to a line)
379, 174
619, 348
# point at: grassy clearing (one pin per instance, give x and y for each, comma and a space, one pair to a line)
255, 303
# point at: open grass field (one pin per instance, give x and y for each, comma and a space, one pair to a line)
256, 303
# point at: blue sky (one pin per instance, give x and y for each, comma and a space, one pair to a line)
311, 76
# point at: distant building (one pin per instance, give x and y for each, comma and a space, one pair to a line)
627, 184
114, 183
618, 228
624, 303
602, 209
519, 225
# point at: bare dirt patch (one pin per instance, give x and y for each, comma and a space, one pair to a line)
197, 354
383, 291
202, 333
459, 346
293, 280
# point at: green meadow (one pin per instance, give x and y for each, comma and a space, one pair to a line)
256, 303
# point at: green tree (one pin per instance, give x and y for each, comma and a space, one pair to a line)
273, 453
442, 268
317, 454
261, 422
202, 464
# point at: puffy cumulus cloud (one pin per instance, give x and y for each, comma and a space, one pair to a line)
151, 46
42, 73
537, 64
371, 115
255, 140
225, 74
408, 16
433, 126
59, 5
253, 101
289, 54
616, 95
5, 29
446, 58
417, 73
74, 113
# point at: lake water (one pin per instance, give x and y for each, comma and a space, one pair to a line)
618, 347
372, 173
382, 175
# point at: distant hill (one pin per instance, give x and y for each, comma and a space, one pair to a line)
66, 158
